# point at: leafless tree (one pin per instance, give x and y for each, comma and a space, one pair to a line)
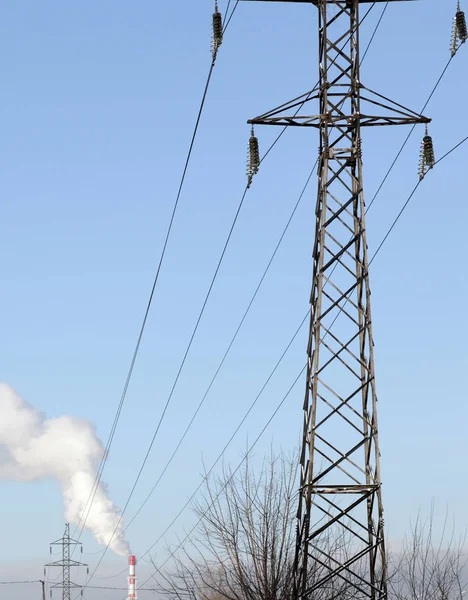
245, 542
430, 565
244, 546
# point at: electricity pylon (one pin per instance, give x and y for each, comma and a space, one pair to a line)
66, 563
340, 534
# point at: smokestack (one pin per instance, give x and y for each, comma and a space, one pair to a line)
132, 595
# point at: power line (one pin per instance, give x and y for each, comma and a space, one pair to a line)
192, 338
228, 349
148, 307
444, 70
417, 185
103, 587
227, 7
374, 33
441, 76
251, 407
218, 369
431, 94
145, 318
169, 399
198, 323
275, 412
247, 309
464, 140
242, 421
266, 270
308, 96
295, 381
232, 14
403, 208
20, 582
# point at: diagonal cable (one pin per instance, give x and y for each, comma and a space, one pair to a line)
201, 314
146, 314
463, 141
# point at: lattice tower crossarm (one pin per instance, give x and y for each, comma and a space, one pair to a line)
66, 564
340, 541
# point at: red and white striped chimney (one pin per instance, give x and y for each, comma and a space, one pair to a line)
132, 595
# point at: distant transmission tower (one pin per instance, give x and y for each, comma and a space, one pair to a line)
340, 538
66, 563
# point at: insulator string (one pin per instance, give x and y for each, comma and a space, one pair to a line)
253, 157
427, 156
459, 31
462, 31
217, 34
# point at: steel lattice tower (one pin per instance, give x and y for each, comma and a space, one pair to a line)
66, 585
340, 537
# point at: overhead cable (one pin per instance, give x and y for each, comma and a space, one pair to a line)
191, 341
196, 328
397, 218
82, 522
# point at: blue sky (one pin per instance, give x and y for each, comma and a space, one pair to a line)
98, 105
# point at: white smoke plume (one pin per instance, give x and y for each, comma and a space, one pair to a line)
66, 449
